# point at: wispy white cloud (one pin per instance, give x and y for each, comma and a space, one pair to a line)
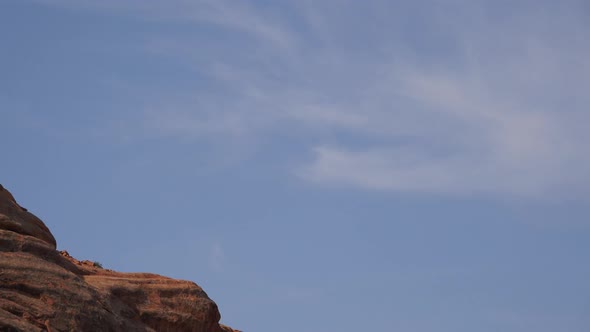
216, 257
466, 99
238, 16
473, 139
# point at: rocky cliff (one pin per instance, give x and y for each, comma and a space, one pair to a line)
42, 289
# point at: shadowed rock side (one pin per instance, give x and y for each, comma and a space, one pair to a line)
42, 289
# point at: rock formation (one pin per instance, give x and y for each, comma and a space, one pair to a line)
42, 289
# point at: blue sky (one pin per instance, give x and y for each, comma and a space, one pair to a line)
316, 166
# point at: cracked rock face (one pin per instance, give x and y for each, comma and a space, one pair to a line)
42, 289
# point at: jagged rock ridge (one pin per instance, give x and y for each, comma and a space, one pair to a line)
42, 289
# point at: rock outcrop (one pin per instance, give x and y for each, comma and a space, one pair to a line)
42, 289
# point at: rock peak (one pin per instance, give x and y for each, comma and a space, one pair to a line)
16, 218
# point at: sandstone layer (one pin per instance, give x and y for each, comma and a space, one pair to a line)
42, 289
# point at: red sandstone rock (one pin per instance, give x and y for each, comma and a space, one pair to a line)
42, 289
15, 218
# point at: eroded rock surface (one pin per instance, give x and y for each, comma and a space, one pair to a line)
42, 289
